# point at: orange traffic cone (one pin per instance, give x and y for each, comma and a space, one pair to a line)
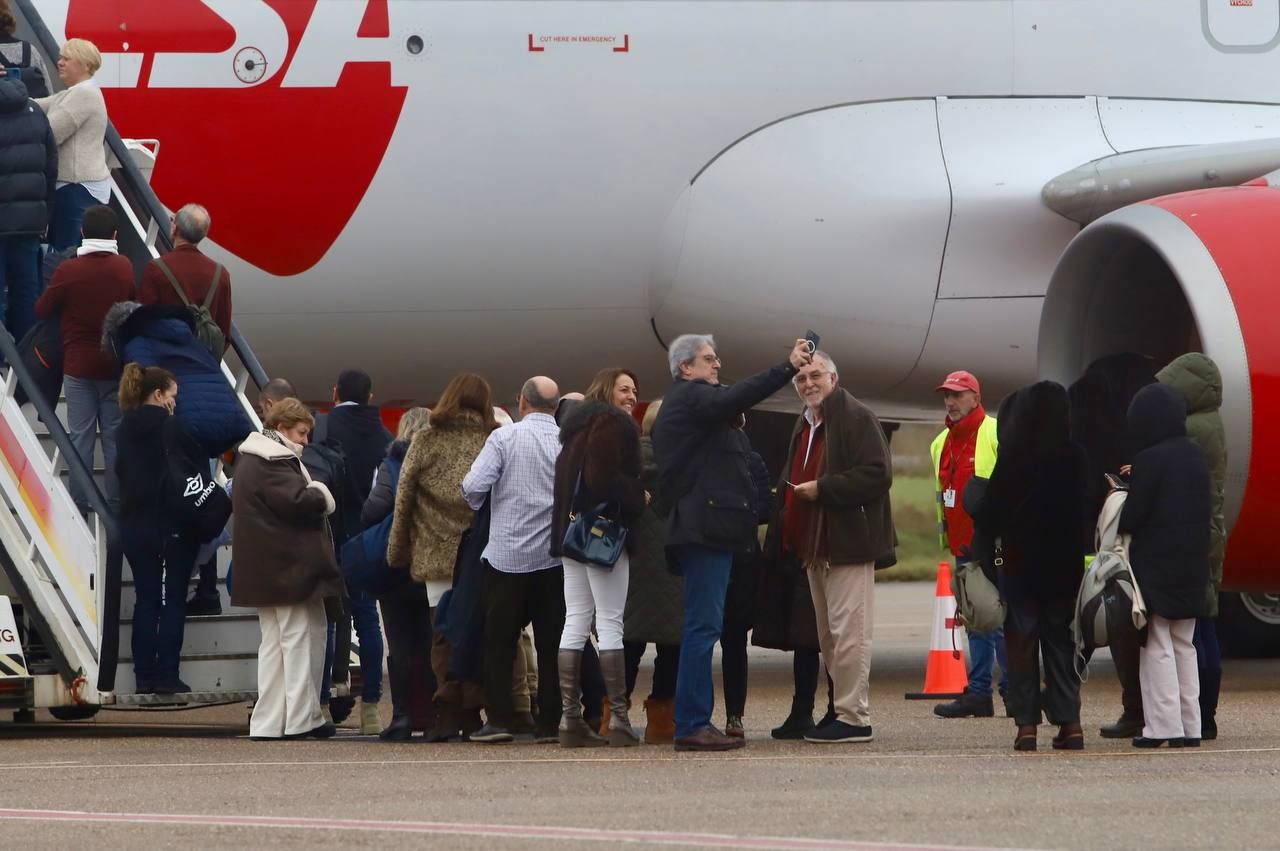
945, 676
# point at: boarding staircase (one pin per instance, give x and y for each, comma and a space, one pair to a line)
70, 589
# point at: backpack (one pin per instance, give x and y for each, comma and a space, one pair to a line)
977, 598
363, 558
206, 330
327, 464
31, 75
1109, 602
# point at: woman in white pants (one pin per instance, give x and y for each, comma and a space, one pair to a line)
599, 463
284, 567
1168, 513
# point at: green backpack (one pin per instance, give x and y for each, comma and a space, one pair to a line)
206, 330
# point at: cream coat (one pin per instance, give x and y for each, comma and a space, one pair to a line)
78, 116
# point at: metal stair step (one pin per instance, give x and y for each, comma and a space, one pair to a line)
194, 698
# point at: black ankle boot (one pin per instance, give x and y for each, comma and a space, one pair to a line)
399, 730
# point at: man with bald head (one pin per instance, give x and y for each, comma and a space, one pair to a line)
523, 582
186, 275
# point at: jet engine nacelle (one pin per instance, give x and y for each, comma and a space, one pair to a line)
1196, 271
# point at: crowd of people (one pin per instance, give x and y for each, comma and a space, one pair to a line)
602, 527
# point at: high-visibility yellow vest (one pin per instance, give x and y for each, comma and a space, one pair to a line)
984, 462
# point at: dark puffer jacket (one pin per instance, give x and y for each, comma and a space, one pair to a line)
1197, 378
28, 163
163, 336
602, 443
1167, 511
1035, 501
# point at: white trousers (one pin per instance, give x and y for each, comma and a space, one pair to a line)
290, 669
1170, 680
599, 591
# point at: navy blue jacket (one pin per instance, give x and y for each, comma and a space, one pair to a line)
155, 335
28, 163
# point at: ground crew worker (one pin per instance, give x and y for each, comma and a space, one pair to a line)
966, 448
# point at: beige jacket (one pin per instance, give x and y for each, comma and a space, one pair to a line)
430, 514
78, 116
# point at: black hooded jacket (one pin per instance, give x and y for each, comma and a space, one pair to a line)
358, 429
1168, 509
28, 163
1035, 500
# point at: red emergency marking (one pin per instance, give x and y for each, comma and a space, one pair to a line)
1241, 2
949, 623
538, 43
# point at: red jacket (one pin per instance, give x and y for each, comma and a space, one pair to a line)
195, 272
84, 288
955, 469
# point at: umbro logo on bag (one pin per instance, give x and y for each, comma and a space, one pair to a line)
195, 484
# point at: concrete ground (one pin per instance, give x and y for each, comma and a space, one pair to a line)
149, 780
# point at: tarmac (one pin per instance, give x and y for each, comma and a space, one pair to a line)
147, 779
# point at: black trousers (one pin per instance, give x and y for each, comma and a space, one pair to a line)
1035, 628
733, 667
1125, 647
406, 615
512, 600
805, 665
666, 666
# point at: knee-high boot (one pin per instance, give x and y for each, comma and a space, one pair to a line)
401, 727
574, 732
614, 667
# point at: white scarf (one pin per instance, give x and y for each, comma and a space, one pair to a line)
92, 246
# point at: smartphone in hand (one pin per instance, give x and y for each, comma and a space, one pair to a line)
812, 338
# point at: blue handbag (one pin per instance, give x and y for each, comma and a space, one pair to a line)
593, 537
364, 556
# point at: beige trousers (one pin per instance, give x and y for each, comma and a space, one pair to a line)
290, 669
842, 604
524, 675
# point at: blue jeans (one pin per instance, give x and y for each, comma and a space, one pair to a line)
706, 579
364, 616
93, 407
983, 651
161, 571
20, 284
69, 204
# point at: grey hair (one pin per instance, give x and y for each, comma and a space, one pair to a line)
536, 401
685, 348
831, 365
192, 223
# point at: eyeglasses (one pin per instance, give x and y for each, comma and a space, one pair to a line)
709, 359
807, 378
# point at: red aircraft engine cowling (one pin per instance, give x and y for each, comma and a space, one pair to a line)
1195, 271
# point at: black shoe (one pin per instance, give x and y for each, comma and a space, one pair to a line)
1188, 742
968, 705
829, 718
1125, 728
1144, 742
144, 687
795, 727
200, 607
324, 731
1209, 730
399, 730
838, 731
490, 734
174, 686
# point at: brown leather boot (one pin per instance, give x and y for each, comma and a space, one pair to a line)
1026, 738
660, 726
618, 728
605, 715
1070, 738
574, 732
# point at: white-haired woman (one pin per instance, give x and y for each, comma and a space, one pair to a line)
78, 115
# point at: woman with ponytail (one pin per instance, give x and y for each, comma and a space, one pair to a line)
160, 556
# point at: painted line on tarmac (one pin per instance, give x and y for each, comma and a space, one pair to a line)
503, 831
720, 758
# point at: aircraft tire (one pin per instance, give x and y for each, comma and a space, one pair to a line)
1249, 625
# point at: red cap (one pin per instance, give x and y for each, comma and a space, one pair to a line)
960, 381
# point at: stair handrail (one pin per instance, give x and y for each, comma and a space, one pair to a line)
82, 476
140, 187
